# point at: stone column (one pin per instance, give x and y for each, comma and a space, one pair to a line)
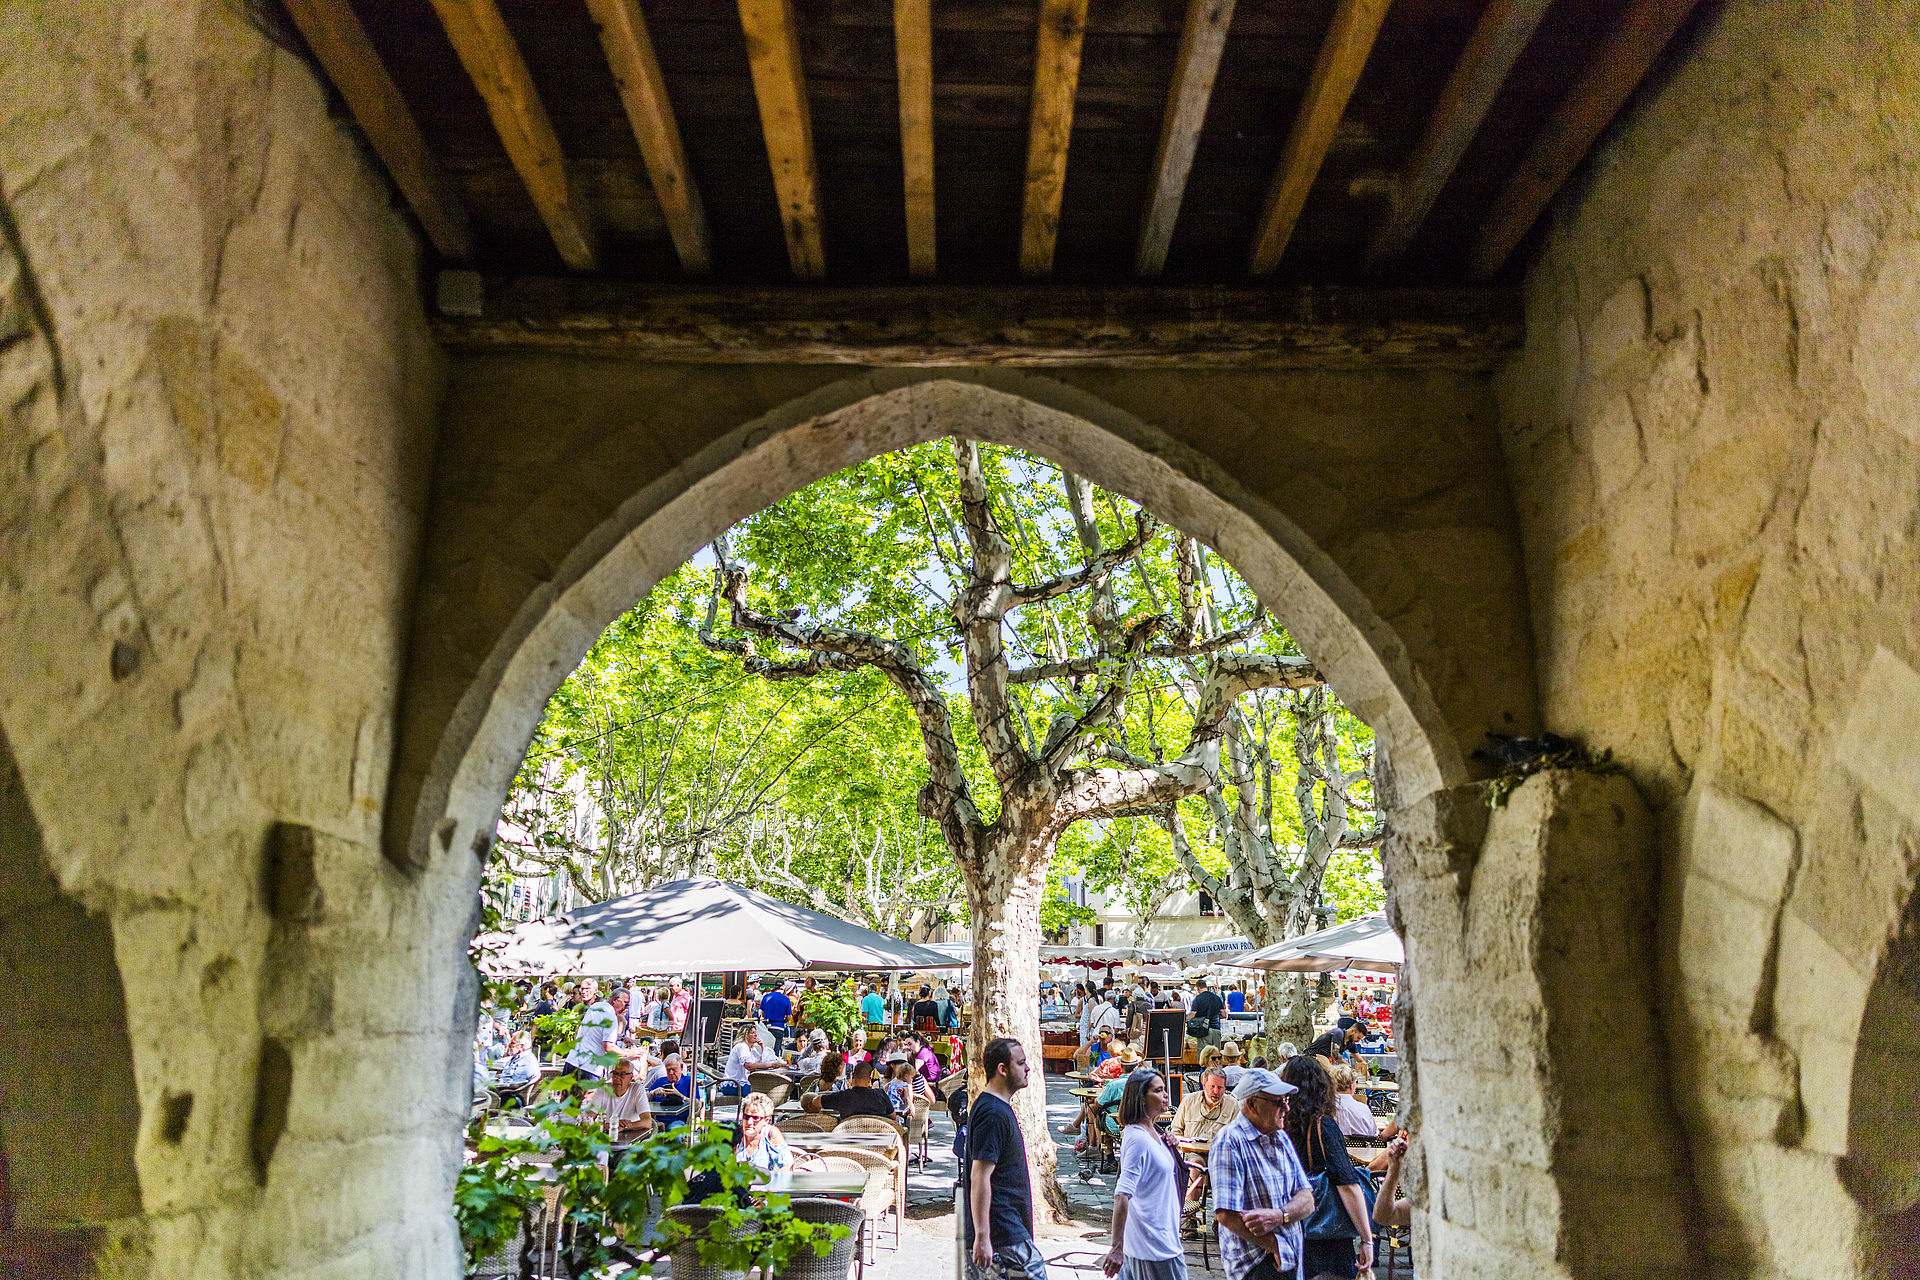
1537, 1080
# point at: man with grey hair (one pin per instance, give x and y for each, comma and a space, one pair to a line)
1260, 1191
1203, 1112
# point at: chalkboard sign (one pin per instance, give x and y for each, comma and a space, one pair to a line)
711, 1011
1166, 1034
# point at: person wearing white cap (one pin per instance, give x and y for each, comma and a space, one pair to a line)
1260, 1192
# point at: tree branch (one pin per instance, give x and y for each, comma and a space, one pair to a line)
1092, 664
1094, 570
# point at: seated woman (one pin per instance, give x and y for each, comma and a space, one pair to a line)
761, 1144
887, 1048
753, 1051
810, 1057
832, 1067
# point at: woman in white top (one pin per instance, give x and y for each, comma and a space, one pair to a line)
1146, 1200
753, 1051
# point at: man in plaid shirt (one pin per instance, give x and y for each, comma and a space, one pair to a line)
1260, 1192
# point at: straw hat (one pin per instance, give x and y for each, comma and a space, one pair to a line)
1232, 1052
1128, 1054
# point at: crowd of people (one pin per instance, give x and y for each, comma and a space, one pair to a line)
1289, 1201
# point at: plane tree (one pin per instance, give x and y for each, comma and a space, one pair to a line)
1016, 639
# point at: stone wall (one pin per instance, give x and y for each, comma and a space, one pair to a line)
218, 400
1714, 441
1528, 1016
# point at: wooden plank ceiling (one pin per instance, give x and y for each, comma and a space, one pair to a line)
860, 143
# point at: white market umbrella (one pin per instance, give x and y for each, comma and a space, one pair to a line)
1366, 943
703, 925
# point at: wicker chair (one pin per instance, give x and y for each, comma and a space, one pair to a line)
873, 1124
882, 1124
771, 1083
804, 1123
696, 1218
879, 1196
845, 1253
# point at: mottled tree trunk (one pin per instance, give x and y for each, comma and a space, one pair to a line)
1003, 899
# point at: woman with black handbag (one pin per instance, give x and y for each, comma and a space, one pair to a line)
1339, 1234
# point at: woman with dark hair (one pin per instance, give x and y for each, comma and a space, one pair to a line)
1343, 1249
1146, 1200
830, 1067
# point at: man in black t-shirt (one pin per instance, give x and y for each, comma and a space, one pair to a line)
999, 1223
1208, 1008
860, 1098
1336, 1045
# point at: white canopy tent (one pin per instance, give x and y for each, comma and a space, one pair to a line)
703, 926
1366, 943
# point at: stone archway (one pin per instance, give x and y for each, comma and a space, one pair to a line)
452, 801
69, 1117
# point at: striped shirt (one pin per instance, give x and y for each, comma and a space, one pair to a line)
1253, 1170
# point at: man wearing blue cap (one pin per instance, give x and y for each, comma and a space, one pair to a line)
1260, 1192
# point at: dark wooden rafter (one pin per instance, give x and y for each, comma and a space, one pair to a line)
773, 53
487, 50
1625, 55
340, 43
643, 92
913, 57
1343, 55
1056, 77
1149, 326
1203, 38
1502, 34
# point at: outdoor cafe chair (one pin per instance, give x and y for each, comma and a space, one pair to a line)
879, 1196
685, 1255
774, 1085
805, 1123
845, 1253
881, 1124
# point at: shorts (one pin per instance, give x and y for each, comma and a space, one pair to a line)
1154, 1268
1020, 1260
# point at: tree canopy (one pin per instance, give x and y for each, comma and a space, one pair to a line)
660, 756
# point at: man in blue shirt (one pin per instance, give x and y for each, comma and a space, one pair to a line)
873, 1007
775, 1009
1236, 1001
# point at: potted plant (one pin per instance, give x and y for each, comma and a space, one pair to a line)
610, 1199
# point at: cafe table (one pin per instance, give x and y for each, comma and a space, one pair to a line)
809, 1182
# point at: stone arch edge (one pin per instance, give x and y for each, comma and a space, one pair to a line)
842, 424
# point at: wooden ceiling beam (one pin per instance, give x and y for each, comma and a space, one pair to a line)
338, 40
1056, 77
913, 56
1502, 34
643, 91
1343, 55
1203, 39
1623, 59
773, 54
1025, 325
492, 59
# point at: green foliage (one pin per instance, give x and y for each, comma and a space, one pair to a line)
836, 1011
607, 1192
559, 1029
1057, 914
